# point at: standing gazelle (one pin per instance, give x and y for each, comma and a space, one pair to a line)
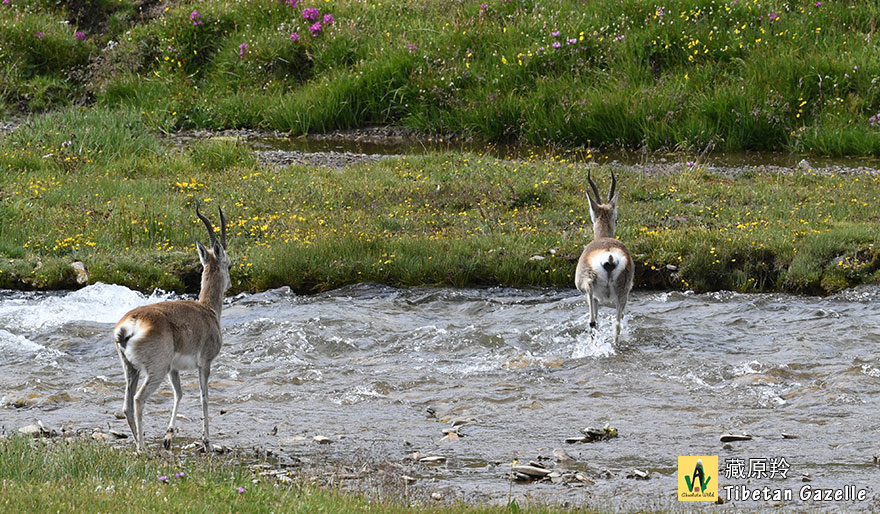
605, 270
164, 338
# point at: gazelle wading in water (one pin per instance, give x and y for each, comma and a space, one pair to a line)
164, 338
605, 270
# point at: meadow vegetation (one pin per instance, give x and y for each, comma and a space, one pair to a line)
95, 185
75, 475
681, 74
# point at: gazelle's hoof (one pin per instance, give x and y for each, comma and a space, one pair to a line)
593, 324
169, 436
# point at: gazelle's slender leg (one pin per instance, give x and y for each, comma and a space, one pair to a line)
621, 304
131, 379
593, 308
174, 378
151, 383
204, 373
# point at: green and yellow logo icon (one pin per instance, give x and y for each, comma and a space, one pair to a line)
698, 478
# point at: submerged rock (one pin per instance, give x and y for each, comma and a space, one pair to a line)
37, 430
562, 456
118, 435
728, 438
638, 475
593, 434
532, 471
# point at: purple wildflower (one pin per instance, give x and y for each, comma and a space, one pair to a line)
618, 38
556, 33
484, 8
242, 48
541, 48
294, 37
195, 18
311, 14
874, 120
79, 36
572, 41
411, 47
241, 490
5, 2
316, 29
162, 479
557, 45
661, 11
67, 143
329, 19
772, 16
818, 4
690, 164
291, 3
39, 35
179, 475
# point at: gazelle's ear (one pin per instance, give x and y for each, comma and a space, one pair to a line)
219, 251
203, 253
593, 207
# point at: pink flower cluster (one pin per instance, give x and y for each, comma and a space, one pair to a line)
316, 28
311, 14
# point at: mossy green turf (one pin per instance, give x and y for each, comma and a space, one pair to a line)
122, 201
685, 74
75, 475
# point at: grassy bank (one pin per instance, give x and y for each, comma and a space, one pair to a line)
75, 475
685, 74
95, 186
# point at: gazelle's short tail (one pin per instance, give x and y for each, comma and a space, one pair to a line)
121, 337
610, 264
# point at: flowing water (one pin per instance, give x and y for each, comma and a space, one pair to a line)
382, 371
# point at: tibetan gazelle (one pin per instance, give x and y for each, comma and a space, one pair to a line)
605, 270
164, 338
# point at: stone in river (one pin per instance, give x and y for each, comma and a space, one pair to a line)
532, 471
729, 438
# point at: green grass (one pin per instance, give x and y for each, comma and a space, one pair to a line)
757, 75
74, 475
123, 202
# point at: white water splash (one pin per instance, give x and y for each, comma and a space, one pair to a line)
10, 342
100, 303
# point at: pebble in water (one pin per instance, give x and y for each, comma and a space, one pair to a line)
729, 438
433, 459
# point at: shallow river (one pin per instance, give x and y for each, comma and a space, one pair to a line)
382, 371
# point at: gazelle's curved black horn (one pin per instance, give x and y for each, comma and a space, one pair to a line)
222, 227
613, 185
207, 225
595, 189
